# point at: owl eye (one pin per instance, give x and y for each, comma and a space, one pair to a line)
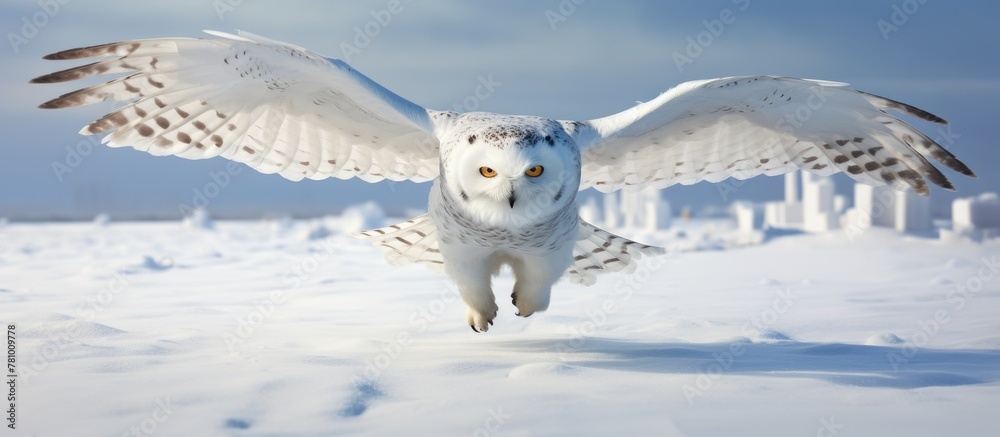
535, 171
487, 172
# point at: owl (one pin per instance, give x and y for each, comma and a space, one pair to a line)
504, 187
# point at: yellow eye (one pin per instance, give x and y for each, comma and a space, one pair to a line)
535, 171
487, 172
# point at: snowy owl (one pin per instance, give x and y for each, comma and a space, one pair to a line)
504, 190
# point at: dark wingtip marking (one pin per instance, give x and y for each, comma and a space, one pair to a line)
65, 75
52, 104
910, 109
949, 160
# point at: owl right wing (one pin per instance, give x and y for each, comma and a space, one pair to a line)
276, 107
741, 127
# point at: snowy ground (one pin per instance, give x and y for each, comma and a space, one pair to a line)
275, 328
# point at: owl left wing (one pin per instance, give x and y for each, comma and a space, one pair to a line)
742, 127
274, 106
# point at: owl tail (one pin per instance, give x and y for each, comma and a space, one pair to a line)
599, 251
412, 241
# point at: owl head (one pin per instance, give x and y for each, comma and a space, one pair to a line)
511, 171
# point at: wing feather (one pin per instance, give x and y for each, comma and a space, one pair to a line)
742, 127
274, 106
599, 251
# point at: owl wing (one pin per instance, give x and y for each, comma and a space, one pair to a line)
276, 107
412, 241
599, 251
742, 127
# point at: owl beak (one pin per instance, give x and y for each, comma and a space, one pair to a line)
512, 199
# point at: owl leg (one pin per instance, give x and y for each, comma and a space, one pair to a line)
472, 276
534, 277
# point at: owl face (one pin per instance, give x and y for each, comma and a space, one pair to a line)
513, 175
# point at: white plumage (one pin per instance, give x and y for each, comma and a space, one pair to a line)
505, 186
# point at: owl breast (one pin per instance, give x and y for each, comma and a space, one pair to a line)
455, 226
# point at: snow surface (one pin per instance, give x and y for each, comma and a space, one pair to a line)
293, 328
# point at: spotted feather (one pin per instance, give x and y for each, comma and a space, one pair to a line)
276, 107
599, 251
412, 241
742, 127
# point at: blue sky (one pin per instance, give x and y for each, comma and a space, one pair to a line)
590, 60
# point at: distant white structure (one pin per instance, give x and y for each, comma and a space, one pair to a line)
817, 210
787, 214
820, 210
644, 210
903, 211
976, 217
749, 217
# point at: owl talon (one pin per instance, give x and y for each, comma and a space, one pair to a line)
480, 321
